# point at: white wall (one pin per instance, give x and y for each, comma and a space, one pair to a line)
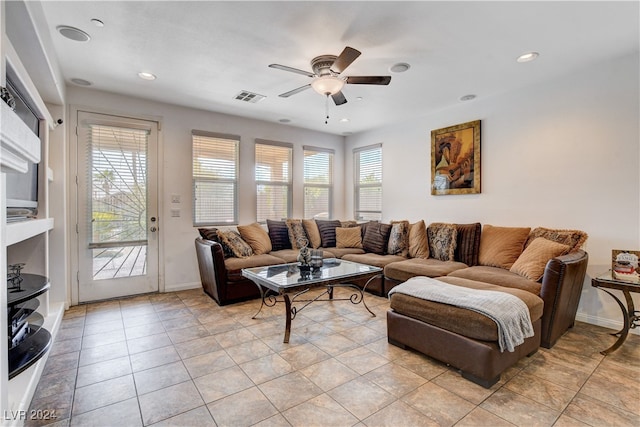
563, 154
178, 234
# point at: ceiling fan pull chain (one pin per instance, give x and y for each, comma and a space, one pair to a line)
326, 108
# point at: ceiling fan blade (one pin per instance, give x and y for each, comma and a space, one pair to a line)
369, 80
291, 69
339, 98
293, 92
345, 59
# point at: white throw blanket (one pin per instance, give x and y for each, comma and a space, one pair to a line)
508, 311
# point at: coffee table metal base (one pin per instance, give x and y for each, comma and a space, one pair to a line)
270, 299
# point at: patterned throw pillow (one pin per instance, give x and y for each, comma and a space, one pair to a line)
327, 228
313, 233
297, 235
232, 239
279, 235
399, 238
348, 237
418, 242
376, 238
212, 234
256, 237
442, 241
572, 238
533, 260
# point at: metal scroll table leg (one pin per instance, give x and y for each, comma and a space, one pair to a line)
287, 327
625, 329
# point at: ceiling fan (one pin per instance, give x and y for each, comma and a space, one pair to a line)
326, 75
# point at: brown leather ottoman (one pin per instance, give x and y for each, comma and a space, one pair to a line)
459, 337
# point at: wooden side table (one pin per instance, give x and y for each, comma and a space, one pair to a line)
631, 317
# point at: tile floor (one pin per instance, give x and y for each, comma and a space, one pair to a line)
179, 359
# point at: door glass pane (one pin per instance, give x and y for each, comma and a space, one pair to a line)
117, 170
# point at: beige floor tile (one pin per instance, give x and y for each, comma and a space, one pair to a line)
155, 406
140, 320
102, 316
519, 410
567, 421
363, 334
361, 397
222, 325
179, 323
208, 363
455, 383
622, 388
62, 362
56, 383
242, 409
102, 353
70, 333
289, 390
395, 379
303, 355
101, 371
125, 413
103, 338
104, 393
57, 406
66, 346
339, 324
399, 414
541, 391
597, 413
439, 404
266, 368
321, 411
72, 322
222, 383
197, 347
561, 375
139, 331
152, 358
275, 421
102, 327
248, 351
160, 377
329, 374
275, 341
234, 337
199, 416
139, 345
480, 417
386, 350
334, 344
421, 364
187, 334
362, 360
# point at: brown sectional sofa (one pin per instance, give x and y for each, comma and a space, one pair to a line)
449, 335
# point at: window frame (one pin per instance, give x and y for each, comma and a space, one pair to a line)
288, 184
357, 186
329, 186
235, 139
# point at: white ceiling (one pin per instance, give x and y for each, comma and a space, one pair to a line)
205, 52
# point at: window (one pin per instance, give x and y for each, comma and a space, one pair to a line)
215, 178
273, 180
318, 182
368, 182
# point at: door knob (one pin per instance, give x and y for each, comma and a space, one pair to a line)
153, 229
153, 219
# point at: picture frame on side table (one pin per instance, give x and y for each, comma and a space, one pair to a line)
455, 159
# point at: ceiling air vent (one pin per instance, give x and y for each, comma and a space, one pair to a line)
251, 97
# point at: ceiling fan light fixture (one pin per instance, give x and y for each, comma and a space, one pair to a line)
527, 57
327, 85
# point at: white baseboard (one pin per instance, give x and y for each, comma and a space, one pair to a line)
606, 323
182, 287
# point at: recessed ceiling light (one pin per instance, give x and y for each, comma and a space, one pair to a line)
359, 98
97, 22
81, 82
146, 76
344, 120
73, 33
400, 67
527, 57
469, 97
284, 121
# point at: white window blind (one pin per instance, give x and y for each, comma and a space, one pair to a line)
215, 178
273, 180
318, 182
368, 182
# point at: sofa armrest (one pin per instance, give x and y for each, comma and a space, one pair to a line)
213, 273
561, 288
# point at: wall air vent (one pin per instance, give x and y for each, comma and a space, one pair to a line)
247, 96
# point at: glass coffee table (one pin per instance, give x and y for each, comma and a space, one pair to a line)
287, 281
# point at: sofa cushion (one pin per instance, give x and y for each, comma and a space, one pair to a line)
534, 258
442, 241
279, 235
257, 237
235, 265
498, 276
418, 241
327, 228
340, 252
234, 242
501, 246
297, 235
462, 321
376, 238
373, 259
348, 237
404, 270
311, 228
212, 234
573, 238
468, 243
399, 239
349, 223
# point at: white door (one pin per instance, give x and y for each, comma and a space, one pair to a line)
117, 206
